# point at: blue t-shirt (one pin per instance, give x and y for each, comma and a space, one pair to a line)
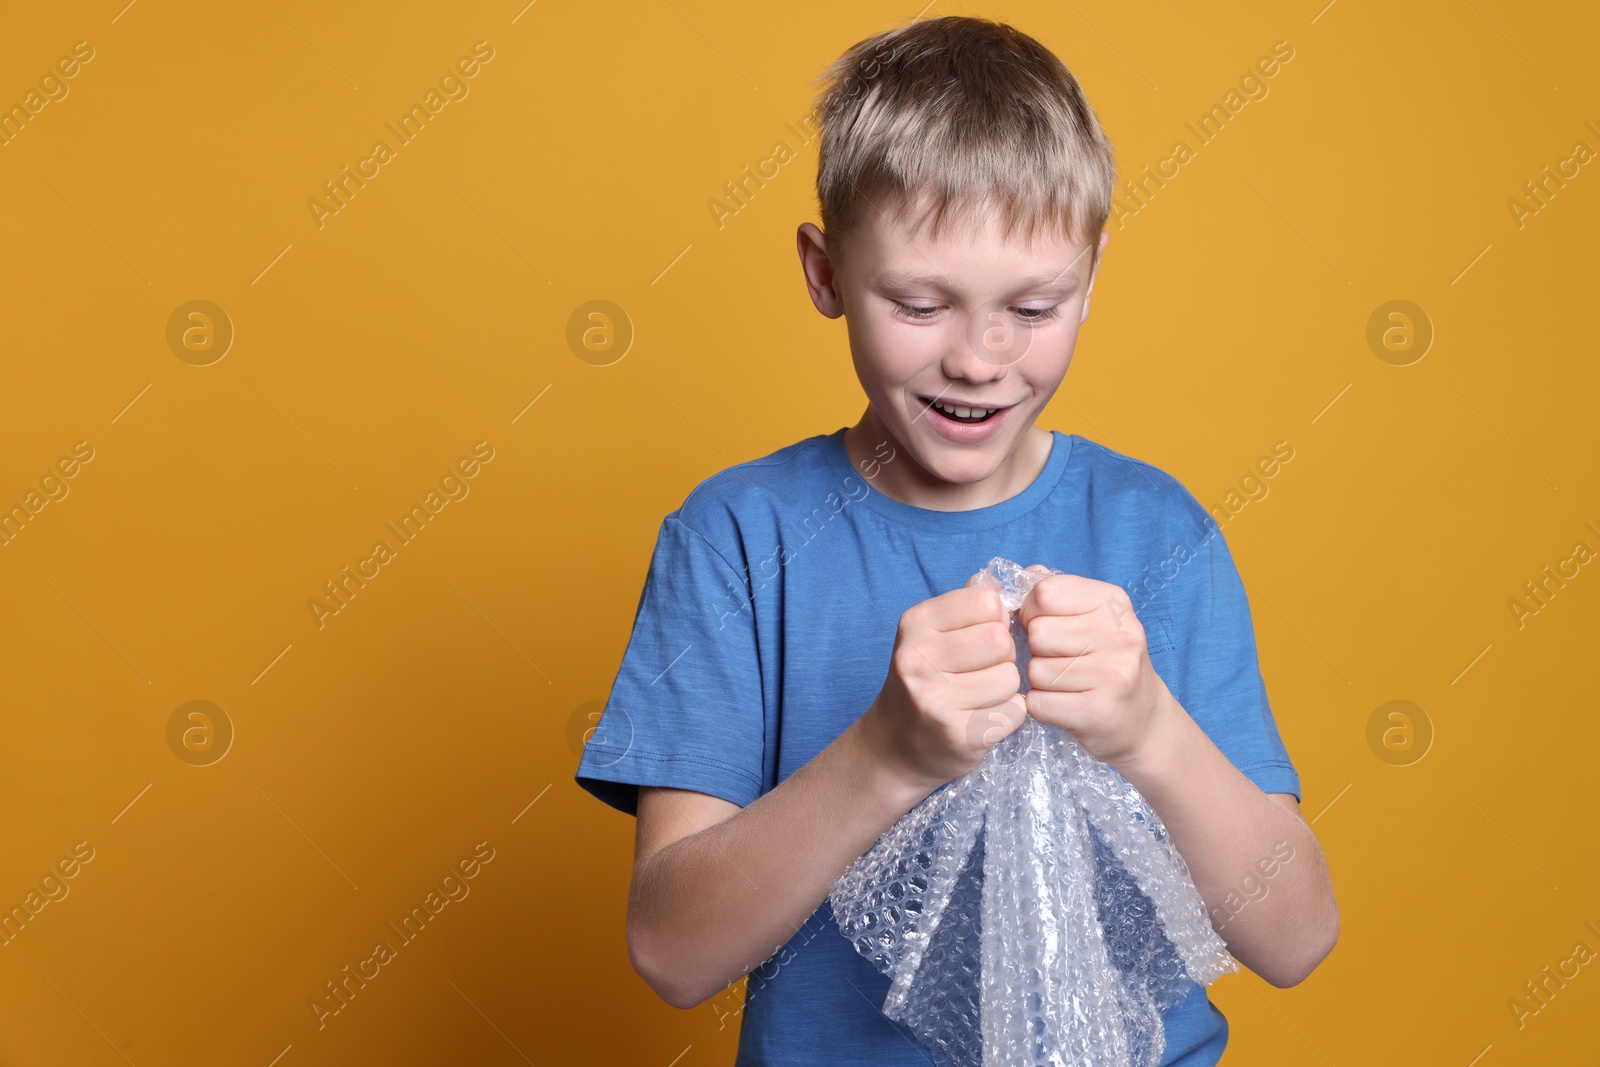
765, 628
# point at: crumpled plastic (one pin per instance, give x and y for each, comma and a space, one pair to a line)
1033, 911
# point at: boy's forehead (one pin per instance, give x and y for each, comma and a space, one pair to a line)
1029, 276
894, 257
902, 241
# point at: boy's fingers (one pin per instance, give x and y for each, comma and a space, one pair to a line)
967, 606
1061, 674
955, 610
971, 648
1071, 636
1073, 594
998, 720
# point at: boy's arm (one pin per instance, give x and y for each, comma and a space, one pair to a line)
717, 889
1091, 673
1279, 915
716, 893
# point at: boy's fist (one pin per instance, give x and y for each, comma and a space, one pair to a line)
952, 690
1089, 668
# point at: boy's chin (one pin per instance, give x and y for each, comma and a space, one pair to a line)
963, 464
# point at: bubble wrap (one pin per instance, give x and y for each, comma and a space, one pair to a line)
1032, 911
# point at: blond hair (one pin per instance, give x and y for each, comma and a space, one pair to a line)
955, 115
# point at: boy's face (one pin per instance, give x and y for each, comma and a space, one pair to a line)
969, 318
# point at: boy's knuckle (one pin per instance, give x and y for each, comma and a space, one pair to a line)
1013, 675
905, 663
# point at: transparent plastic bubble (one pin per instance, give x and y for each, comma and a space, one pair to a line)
1034, 911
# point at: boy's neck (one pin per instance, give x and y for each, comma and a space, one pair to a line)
906, 480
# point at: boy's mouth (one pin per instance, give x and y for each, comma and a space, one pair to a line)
966, 414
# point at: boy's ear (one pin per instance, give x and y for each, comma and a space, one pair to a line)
818, 267
1094, 272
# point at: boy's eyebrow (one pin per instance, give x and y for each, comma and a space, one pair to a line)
1059, 281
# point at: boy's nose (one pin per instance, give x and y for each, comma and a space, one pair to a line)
990, 343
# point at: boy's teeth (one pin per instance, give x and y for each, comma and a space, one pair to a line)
964, 413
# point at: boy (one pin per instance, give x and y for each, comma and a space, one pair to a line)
771, 718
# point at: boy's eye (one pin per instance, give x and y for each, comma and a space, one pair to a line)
915, 313
910, 312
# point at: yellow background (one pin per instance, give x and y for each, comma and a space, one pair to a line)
440, 707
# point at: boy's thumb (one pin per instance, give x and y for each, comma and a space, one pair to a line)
974, 581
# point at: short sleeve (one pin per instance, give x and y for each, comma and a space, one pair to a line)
1217, 669
686, 708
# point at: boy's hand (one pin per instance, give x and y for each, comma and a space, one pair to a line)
953, 687
1089, 666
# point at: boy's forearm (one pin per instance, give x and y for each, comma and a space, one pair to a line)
716, 904
1229, 832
